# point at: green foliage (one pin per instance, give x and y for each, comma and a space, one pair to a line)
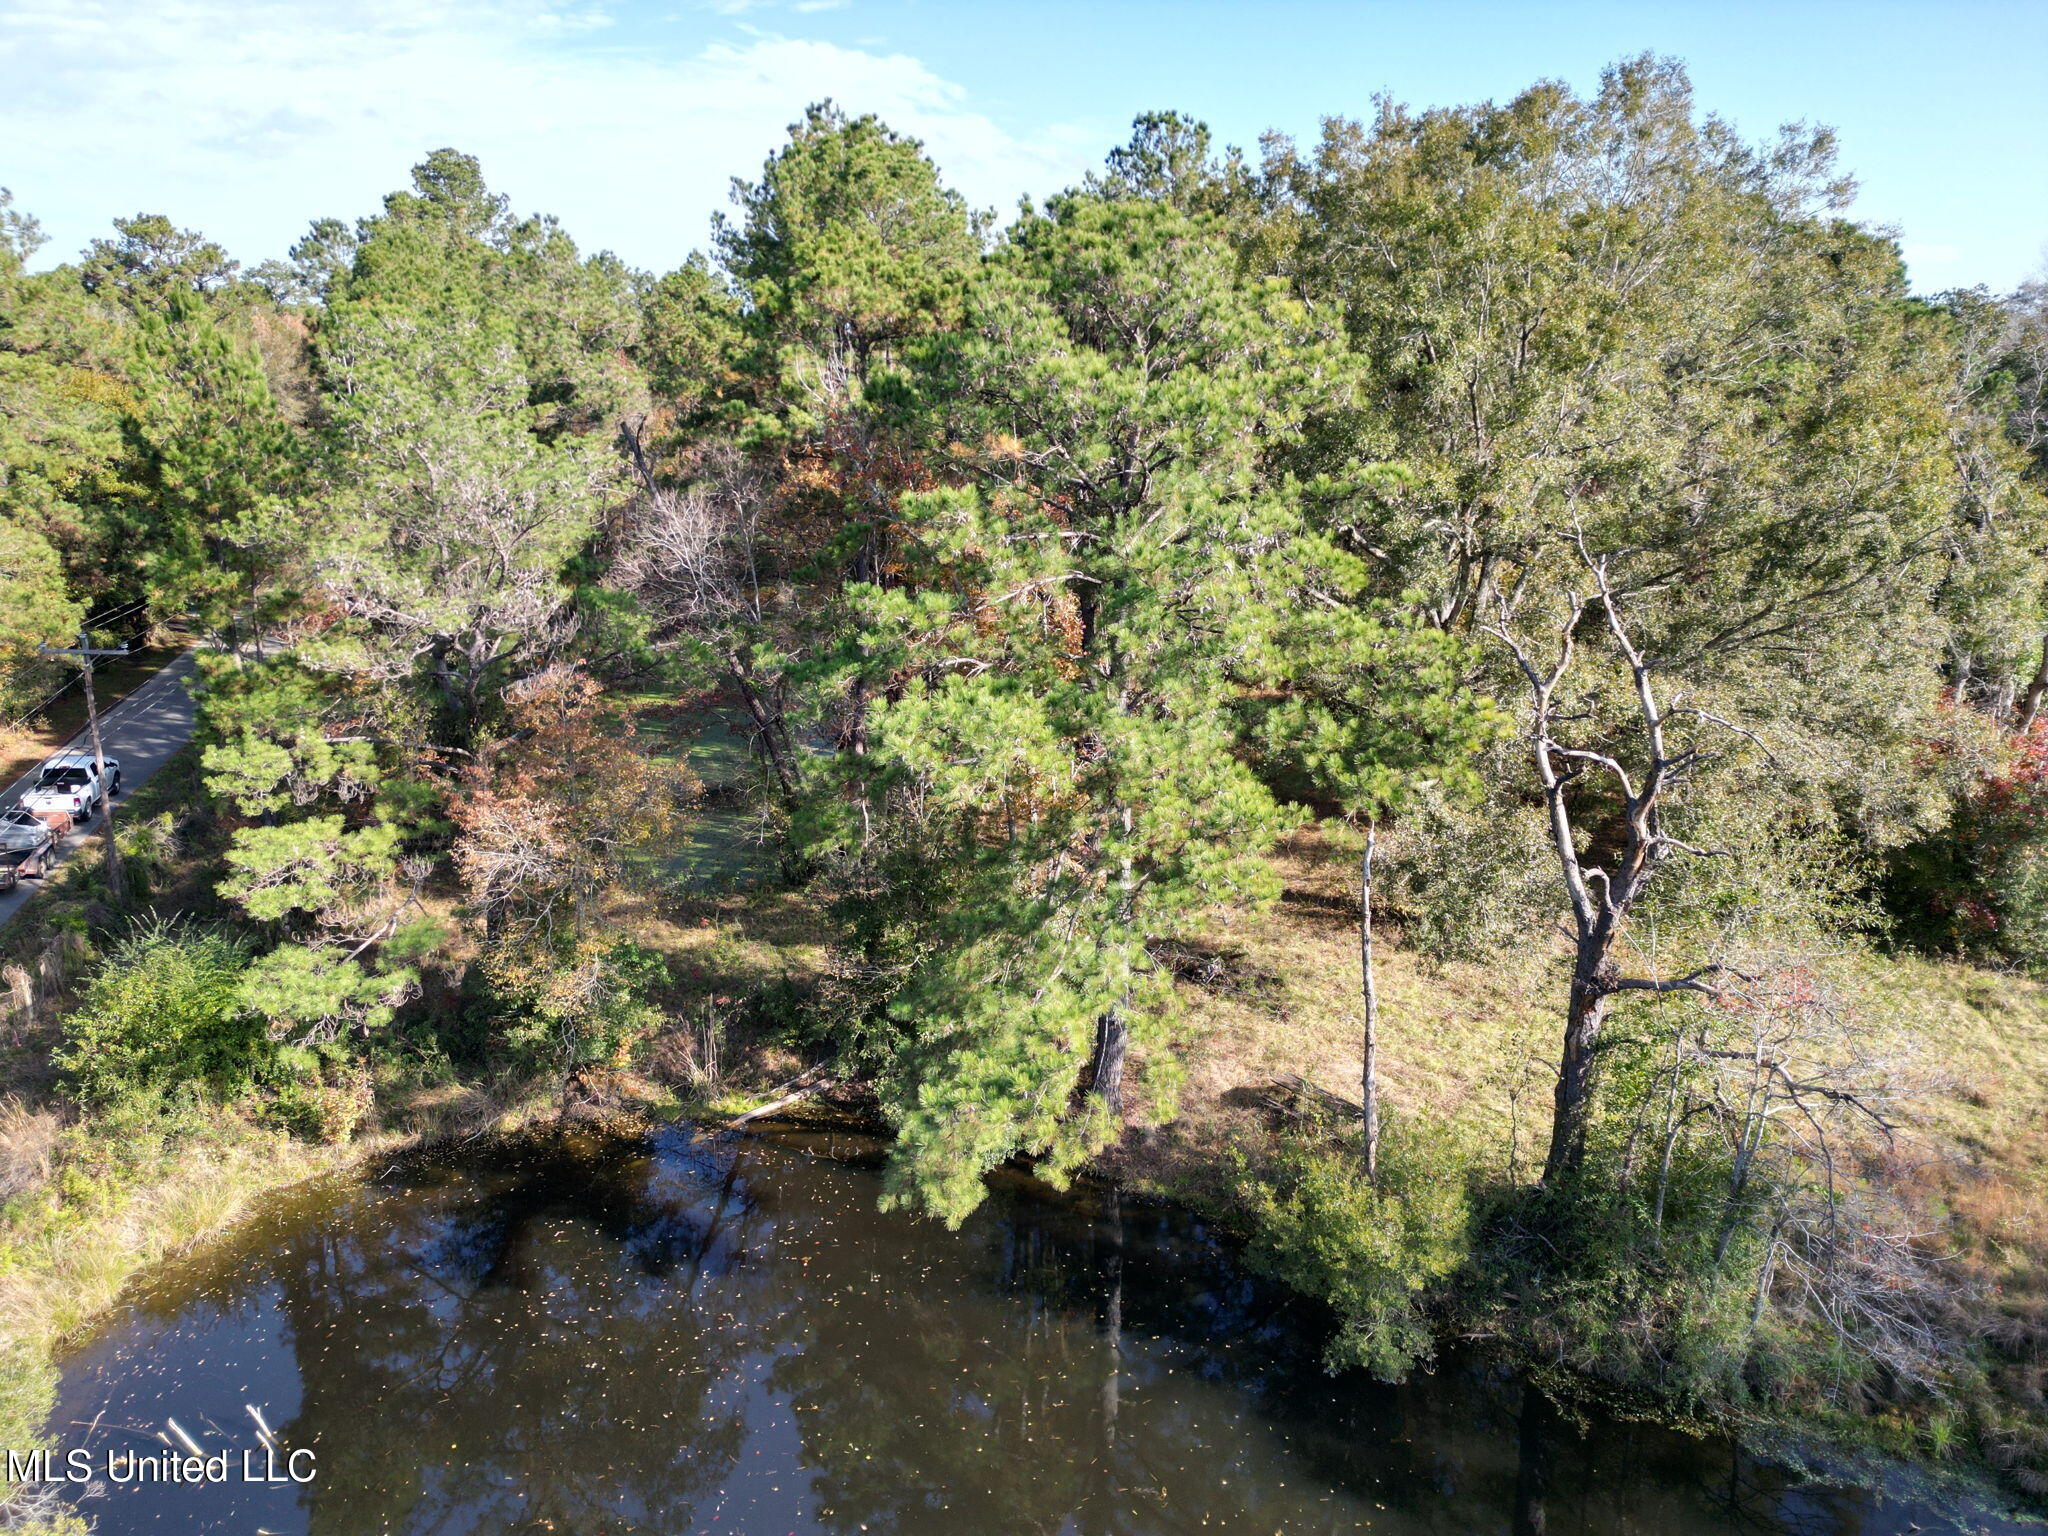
65, 393
325, 858
689, 328
165, 1011
1980, 886
267, 747
35, 609
580, 1009
1382, 1255
306, 866
1361, 705
1059, 575
306, 992
450, 248
1049, 782
215, 455
1555, 307
450, 423
1468, 879
848, 245
150, 262
1168, 160
325, 1099
150, 847
21, 236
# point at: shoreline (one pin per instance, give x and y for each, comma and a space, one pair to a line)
65, 1266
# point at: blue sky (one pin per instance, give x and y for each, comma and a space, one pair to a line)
248, 118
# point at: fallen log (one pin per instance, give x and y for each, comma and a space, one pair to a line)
806, 1084
1295, 1096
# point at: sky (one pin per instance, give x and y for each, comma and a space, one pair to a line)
246, 119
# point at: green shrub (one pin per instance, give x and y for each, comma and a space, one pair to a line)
165, 1013
327, 1103
1379, 1255
149, 850
568, 1012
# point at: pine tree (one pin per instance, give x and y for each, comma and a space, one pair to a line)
1051, 779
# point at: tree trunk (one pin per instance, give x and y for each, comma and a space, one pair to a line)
1113, 1311
444, 679
1370, 1078
2037, 685
1113, 1032
768, 728
1592, 994
1112, 1041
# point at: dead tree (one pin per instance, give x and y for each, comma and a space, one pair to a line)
693, 556
1602, 897
1797, 1097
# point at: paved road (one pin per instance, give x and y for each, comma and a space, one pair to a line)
144, 730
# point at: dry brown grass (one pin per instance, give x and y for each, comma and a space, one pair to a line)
28, 1144
1464, 1043
1475, 1045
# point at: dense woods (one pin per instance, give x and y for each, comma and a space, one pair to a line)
1557, 512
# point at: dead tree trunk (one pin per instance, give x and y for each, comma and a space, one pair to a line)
2037, 685
770, 729
1601, 898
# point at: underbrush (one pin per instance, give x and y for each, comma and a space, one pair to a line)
1381, 1252
1660, 1279
1883, 1285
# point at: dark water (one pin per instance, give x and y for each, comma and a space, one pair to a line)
685, 1334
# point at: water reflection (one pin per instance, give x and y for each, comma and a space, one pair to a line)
686, 1334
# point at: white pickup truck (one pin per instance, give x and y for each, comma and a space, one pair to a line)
69, 786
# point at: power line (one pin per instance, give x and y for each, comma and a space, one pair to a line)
40, 705
107, 618
35, 709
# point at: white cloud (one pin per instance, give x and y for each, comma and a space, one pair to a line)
247, 118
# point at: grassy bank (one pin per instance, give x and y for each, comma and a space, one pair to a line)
95, 1202
113, 1199
1466, 1054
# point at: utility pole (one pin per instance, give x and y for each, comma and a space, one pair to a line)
84, 654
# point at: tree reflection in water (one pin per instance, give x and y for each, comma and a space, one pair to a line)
681, 1334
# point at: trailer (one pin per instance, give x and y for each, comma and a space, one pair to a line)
28, 846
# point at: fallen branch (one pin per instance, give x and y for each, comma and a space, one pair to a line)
806, 1084
1295, 1097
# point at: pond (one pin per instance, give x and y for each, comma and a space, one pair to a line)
695, 1333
